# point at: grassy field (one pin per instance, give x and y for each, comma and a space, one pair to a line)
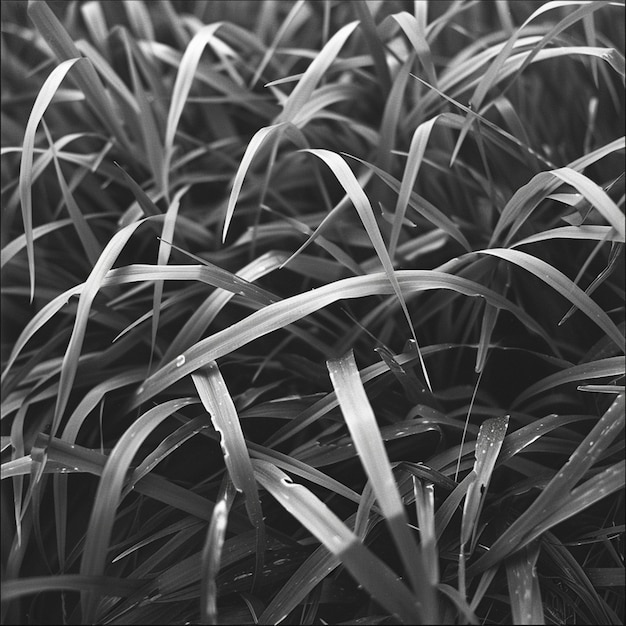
312, 312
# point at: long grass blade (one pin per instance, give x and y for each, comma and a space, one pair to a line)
362, 204
363, 428
44, 97
320, 521
219, 403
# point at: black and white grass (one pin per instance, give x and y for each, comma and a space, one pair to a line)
312, 312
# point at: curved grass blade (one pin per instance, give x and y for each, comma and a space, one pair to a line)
413, 163
211, 555
86, 78
108, 495
416, 34
488, 445
289, 310
598, 198
12, 589
589, 232
184, 78
219, 403
362, 204
322, 61
610, 366
45, 95
90, 244
562, 285
363, 428
319, 520
555, 496
259, 138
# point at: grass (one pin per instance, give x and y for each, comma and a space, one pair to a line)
312, 312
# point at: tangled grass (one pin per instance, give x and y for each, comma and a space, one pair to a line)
312, 312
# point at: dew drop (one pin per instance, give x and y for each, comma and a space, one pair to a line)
140, 390
180, 360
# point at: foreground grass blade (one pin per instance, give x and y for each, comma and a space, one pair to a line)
289, 310
557, 492
488, 445
219, 403
320, 521
523, 583
362, 204
212, 553
364, 431
564, 286
108, 495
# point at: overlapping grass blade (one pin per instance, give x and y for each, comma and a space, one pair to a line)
303, 90
558, 492
108, 495
523, 584
289, 310
320, 521
411, 169
363, 428
211, 556
563, 285
415, 31
86, 78
184, 79
45, 95
610, 366
219, 403
362, 204
488, 445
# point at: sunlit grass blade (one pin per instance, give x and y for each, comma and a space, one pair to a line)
523, 583
303, 90
219, 403
488, 445
86, 78
167, 235
562, 285
260, 137
362, 204
184, 79
45, 95
87, 296
90, 244
320, 521
289, 310
610, 366
589, 232
211, 556
598, 198
363, 428
559, 490
425, 506
107, 497
415, 31
413, 163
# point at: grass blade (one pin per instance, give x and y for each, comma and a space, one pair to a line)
320, 521
363, 428
108, 495
362, 204
45, 95
523, 583
219, 403
563, 285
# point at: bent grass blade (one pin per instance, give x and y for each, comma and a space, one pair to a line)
219, 403
375, 576
365, 434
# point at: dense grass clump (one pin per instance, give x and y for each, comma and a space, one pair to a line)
312, 312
